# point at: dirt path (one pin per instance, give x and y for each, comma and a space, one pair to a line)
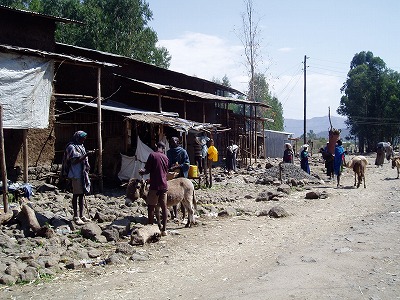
344, 247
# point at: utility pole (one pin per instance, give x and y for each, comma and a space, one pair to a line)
305, 101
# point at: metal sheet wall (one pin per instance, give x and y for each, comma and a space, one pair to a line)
275, 142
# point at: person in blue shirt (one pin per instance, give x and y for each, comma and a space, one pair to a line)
178, 161
339, 160
304, 159
178, 158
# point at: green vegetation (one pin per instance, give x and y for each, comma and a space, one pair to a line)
114, 26
263, 94
371, 101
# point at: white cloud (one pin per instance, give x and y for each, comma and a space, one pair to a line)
322, 92
208, 56
285, 49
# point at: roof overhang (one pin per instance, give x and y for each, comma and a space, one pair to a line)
36, 14
54, 56
183, 94
170, 119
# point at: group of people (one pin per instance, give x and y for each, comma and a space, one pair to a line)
333, 162
76, 168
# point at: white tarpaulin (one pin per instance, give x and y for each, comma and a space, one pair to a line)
130, 165
25, 91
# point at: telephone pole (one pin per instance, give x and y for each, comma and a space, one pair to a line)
305, 101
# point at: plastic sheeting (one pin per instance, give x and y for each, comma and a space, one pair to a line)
130, 165
25, 91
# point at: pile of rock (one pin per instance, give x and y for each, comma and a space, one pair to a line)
287, 173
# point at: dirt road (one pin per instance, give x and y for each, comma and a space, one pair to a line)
344, 247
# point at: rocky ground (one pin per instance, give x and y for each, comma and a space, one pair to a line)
235, 245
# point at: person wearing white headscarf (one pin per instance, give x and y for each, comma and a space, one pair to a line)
288, 153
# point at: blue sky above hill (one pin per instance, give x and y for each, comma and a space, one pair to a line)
202, 37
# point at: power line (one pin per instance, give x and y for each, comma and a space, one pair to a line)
331, 75
330, 70
342, 63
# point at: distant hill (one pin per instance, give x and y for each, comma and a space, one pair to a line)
320, 126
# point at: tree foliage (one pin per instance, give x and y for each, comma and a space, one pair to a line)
263, 94
114, 26
371, 100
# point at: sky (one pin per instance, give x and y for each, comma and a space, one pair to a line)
203, 38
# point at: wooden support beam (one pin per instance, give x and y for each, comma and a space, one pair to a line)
3, 163
25, 153
99, 127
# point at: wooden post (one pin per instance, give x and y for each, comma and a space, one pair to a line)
184, 109
99, 127
159, 103
25, 152
255, 135
263, 143
244, 144
204, 113
3, 163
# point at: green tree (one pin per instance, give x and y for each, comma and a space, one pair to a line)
263, 94
224, 81
114, 26
371, 100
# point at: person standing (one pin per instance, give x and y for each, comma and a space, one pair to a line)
304, 159
157, 166
339, 160
178, 158
231, 153
380, 154
76, 167
212, 156
197, 155
212, 153
328, 159
288, 154
202, 140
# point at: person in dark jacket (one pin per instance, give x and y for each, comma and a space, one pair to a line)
288, 154
178, 158
178, 161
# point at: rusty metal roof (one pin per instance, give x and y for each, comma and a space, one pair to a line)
197, 94
36, 14
165, 118
53, 56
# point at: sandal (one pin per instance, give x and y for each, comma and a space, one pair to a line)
78, 221
84, 219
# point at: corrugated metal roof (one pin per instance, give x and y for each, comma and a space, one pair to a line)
36, 14
165, 118
198, 94
281, 132
199, 81
123, 108
52, 55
